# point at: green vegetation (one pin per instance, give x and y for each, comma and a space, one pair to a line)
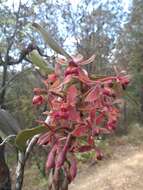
106, 29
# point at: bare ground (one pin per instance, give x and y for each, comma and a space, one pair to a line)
124, 171
122, 168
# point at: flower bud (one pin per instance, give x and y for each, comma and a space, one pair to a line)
73, 169
60, 159
99, 155
37, 91
50, 163
38, 100
62, 155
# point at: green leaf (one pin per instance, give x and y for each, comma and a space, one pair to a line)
50, 41
26, 134
38, 61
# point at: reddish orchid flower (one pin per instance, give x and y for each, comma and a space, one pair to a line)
80, 108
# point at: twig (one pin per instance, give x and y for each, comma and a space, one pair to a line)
30, 146
20, 170
14, 77
7, 139
22, 158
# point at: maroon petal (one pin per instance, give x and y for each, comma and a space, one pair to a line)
62, 155
73, 169
50, 163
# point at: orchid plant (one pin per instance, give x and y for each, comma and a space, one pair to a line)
80, 108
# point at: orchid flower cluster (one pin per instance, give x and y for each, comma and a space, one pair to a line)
80, 108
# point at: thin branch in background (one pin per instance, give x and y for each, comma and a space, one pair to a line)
22, 158
14, 78
30, 146
5, 66
8, 138
5, 180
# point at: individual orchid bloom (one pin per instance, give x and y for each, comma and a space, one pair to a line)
74, 68
76, 60
79, 60
124, 81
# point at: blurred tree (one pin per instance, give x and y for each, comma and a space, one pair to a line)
91, 26
16, 87
129, 52
11, 30
95, 26
5, 181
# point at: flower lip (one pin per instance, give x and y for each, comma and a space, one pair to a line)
71, 70
72, 63
52, 77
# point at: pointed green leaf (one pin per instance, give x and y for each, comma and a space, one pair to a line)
38, 61
50, 41
26, 134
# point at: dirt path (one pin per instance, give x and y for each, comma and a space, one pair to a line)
123, 172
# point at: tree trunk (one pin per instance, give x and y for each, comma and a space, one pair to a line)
5, 181
4, 77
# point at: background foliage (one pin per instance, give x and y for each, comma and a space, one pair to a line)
104, 28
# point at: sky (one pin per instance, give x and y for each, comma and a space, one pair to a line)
73, 2
70, 40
